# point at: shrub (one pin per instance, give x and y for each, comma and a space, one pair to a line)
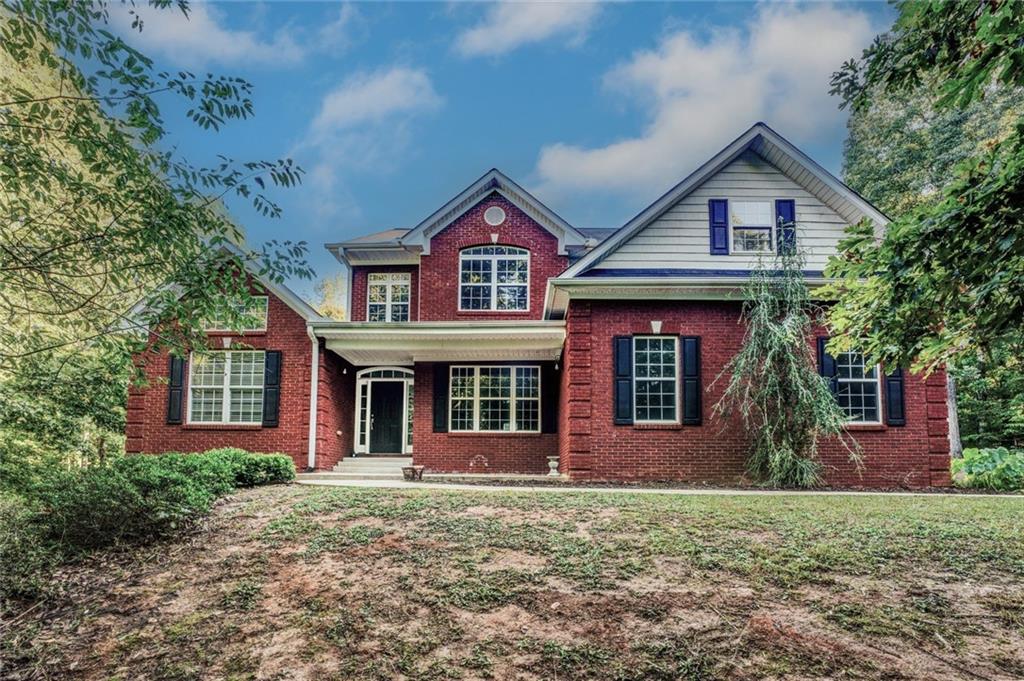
134, 499
25, 557
995, 468
255, 469
59, 512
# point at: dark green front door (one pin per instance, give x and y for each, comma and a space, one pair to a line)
386, 416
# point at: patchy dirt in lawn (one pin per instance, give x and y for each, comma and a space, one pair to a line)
305, 583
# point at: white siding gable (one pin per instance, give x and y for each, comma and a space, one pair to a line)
679, 238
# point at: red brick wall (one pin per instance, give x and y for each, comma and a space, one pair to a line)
335, 409
359, 283
439, 271
471, 452
147, 429
915, 455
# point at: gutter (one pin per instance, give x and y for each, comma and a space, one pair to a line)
314, 388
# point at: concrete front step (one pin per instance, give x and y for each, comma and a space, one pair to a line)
350, 476
372, 467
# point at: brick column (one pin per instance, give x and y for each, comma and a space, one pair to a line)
938, 429
576, 455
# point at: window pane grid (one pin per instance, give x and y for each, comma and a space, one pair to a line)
494, 399
857, 389
226, 387
388, 297
494, 278
654, 378
751, 223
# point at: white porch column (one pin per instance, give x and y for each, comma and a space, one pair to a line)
314, 386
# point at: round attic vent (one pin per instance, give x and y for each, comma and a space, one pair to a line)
494, 216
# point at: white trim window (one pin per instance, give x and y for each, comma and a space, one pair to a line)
494, 278
254, 312
751, 226
858, 388
655, 379
494, 399
226, 387
387, 296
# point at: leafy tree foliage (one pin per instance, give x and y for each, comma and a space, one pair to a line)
902, 149
945, 279
331, 296
104, 227
773, 381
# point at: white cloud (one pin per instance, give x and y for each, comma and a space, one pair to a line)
364, 124
347, 28
369, 97
509, 25
201, 37
704, 90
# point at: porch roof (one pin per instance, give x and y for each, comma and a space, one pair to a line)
375, 343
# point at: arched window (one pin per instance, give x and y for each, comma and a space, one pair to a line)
494, 278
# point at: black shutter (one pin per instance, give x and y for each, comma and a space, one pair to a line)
622, 356
692, 414
718, 222
175, 389
895, 414
549, 388
827, 365
272, 388
441, 398
785, 222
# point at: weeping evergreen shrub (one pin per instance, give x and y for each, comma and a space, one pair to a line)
773, 381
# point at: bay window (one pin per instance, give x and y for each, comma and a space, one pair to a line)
494, 278
226, 387
494, 399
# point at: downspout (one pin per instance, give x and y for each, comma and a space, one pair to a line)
314, 387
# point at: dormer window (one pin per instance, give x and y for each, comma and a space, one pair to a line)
751, 225
387, 297
494, 278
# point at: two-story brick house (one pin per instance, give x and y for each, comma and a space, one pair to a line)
493, 335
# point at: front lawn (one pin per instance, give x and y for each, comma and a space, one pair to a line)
334, 583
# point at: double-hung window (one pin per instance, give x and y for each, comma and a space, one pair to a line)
655, 379
387, 297
857, 388
495, 399
751, 225
253, 313
494, 278
226, 387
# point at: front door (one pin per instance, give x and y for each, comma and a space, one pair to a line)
386, 417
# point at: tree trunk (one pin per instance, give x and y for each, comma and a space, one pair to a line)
955, 448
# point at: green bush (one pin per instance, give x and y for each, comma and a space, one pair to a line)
255, 469
134, 499
995, 468
25, 557
59, 513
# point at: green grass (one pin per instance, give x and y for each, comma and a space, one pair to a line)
353, 583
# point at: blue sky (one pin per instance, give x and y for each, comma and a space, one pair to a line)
596, 108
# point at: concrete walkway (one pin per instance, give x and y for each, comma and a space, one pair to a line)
309, 479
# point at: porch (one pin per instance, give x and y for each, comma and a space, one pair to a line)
398, 395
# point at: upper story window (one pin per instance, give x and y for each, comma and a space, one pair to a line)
226, 387
857, 388
387, 297
494, 278
751, 225
655, 381
254, 315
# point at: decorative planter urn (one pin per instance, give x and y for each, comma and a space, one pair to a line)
553, 466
